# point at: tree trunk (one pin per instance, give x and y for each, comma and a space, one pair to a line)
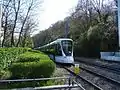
21, 30
16, 16
5, 29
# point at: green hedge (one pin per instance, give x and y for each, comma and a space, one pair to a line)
29, 57
8, 55
32, 56
28, 64
32, 65
43, 68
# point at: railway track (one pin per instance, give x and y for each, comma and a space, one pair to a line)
101, 75
106, 67
93, 59
88, 82
105, 72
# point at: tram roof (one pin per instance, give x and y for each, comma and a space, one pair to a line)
57, 40
60, 39
63, 39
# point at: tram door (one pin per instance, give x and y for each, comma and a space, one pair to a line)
58, 53
58, 50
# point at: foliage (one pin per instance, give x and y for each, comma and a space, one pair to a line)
9, 55
5, 74
50, 34
29, 57
97, 31
25, 63
19, 16
32, 65
29, 42
104, 36
93, 29
43, 68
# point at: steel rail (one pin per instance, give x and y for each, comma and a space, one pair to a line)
79, 85
98, 74
117, 71
92, 84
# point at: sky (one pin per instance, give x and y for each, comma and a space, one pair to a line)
53, 11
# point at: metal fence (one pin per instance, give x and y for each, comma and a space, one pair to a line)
71, 83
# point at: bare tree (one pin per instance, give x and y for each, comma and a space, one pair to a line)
21, 30
16, 10
5, 16
28, 28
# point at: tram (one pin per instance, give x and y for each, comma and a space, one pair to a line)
60, 50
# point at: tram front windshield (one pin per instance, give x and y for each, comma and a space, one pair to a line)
67, 47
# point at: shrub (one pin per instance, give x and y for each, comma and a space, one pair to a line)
43, 68
26, 63
32, 65
28, 57
8, 55
36, 51
31, 57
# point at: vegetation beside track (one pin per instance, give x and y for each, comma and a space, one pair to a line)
22, 63
93, 32
7, 57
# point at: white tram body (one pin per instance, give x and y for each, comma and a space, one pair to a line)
61, 50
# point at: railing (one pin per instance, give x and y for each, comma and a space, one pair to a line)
71, 83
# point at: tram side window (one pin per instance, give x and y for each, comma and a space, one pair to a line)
59, 52
52, 49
